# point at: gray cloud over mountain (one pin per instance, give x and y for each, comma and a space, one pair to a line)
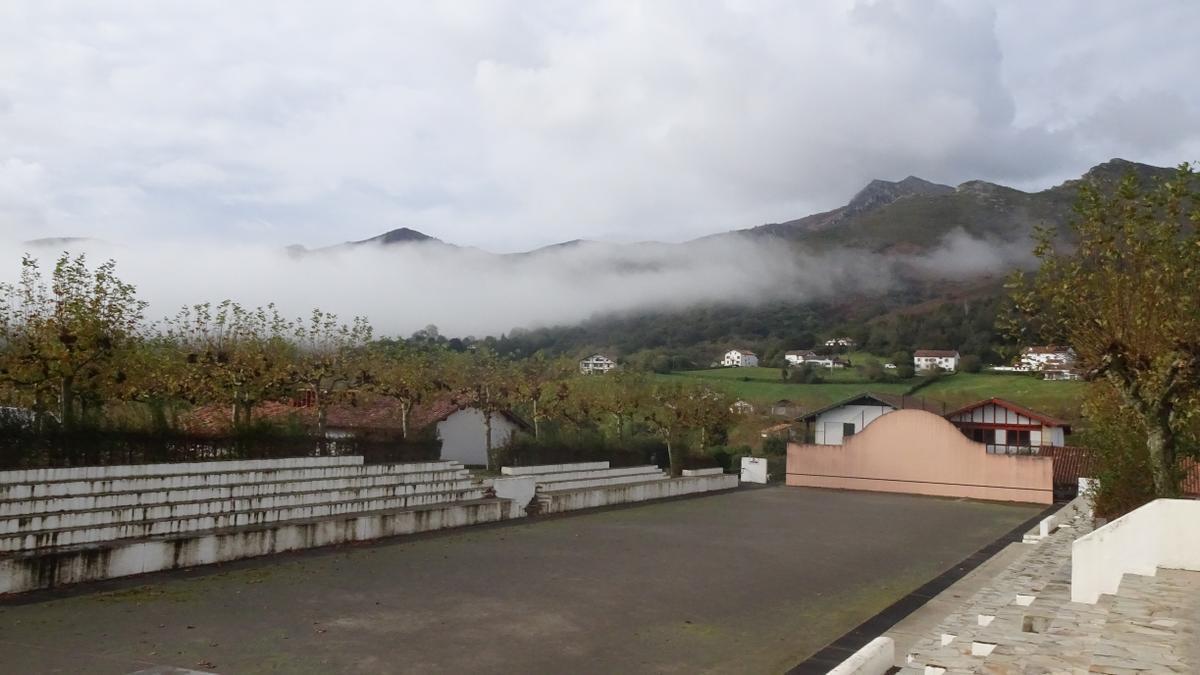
509, 124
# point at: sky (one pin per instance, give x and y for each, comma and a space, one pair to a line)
509, 125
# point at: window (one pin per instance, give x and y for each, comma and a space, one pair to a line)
847, 429
981, 435
1019, 437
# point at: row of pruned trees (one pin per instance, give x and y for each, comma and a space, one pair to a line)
74, 341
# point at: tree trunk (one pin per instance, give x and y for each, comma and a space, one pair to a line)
1160, 445
670, 457
405, 407
535, 419
66, 396
487, 437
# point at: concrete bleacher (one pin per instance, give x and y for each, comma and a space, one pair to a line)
568, 487
61, 526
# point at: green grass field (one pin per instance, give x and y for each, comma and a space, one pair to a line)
762, 386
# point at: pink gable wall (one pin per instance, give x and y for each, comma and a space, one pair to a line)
918, 452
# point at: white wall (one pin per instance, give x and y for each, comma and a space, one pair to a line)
829, 423
462, 435
1163, 533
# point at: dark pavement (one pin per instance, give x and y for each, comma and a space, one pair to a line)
751, 581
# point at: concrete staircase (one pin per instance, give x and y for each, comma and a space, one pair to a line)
1025, 621
61, 526
569, 487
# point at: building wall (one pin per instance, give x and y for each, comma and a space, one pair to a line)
462, 435
918, 452
827, 428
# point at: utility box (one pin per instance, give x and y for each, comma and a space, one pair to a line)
754, 470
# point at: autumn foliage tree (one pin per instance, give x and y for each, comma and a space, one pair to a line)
1125, 293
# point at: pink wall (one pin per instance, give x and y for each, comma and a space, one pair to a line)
918, 452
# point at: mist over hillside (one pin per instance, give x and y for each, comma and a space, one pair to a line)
892, 235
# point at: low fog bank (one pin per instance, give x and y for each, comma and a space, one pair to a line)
470, 292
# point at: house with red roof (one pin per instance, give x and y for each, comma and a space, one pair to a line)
928, 359
1004, 424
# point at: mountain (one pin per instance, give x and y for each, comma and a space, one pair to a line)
401, 235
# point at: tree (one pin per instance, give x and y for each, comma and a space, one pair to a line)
491, 382
328, 358
970, 364
234, 355
406, 373
1126, 296
55, 339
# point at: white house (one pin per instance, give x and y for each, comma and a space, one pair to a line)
742, 407
799, 357
928, 359
832, 424
739, 358
997, 422
596, 363
841, 342
463, 434
1048, 356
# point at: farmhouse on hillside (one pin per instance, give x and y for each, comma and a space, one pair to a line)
596, 363
799, 357
742, 407
1055, 362
1006, 427
846, 342
836, 422
739, 358
928, 359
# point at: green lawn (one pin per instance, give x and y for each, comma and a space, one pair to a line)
764, 385
1060, 399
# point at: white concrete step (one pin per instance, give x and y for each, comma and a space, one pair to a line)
596, 474
133, 470
582, 483
60, 566
559, 501
541, 469
204, 505
111, 500
165, 482
173, 526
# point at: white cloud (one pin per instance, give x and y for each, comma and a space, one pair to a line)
508, 124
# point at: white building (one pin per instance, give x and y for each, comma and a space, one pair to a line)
799, 357
833, 424
739, 358
464, 436
928, 359
742, 407
1047, 357
596, 363
841, 342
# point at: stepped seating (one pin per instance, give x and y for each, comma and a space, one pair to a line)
61, 526
568, 487
1030, 623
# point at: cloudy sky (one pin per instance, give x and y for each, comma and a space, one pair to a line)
509, 125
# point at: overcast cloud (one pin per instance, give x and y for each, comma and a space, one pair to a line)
508, 125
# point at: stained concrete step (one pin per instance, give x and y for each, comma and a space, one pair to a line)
67, 565
109, 500
211, 506
133, 470
85, 487
170, 526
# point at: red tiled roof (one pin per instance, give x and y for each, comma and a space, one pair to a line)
936, 353
1009, 405
1073, 463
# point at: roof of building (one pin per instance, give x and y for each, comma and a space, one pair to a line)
744, 352
935, 353
894, 401
598, 355
1046, 349
800, 352
1009, 405
776, 428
